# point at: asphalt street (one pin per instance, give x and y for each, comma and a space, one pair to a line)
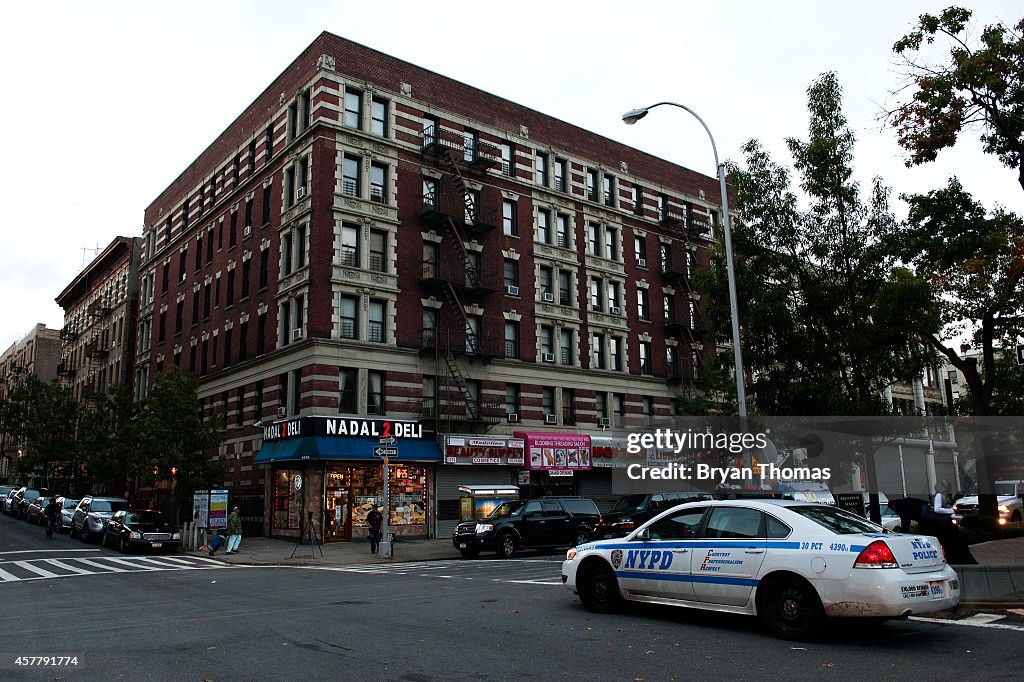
184, 619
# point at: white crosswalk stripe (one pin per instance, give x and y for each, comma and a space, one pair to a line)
78, 566
545, 572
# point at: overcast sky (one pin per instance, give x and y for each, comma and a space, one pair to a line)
105, 103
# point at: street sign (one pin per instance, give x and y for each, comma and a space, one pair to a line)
387, 440
385, 452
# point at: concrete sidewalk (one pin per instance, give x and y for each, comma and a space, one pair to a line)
260, 551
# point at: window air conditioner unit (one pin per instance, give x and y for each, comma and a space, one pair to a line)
641, 262
513, 417
296, 334
300, 193
282, 412
549, 357
548, 298
615, 310
247, 232
549, 419
604, 422
511, 290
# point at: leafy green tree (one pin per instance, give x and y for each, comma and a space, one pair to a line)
816, 291
43, 418
981, 85
110, 437
172, 434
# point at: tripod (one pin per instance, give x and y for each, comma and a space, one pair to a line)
308, 532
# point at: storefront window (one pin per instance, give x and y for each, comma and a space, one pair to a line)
286, 500
408, 496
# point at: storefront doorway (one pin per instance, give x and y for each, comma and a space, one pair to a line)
350, 492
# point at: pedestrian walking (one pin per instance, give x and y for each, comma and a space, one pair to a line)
375, 519
52, 512
234, 531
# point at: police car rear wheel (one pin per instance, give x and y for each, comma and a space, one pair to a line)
598, 589
790, 608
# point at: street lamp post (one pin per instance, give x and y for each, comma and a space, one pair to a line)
631, 117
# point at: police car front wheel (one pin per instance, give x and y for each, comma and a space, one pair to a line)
598, 588
790, 608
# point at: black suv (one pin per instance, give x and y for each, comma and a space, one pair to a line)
632, 511
545, 523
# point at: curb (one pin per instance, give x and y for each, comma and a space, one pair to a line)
991, 584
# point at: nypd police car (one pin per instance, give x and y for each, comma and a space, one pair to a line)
791, 563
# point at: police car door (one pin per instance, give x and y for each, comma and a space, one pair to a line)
725, 567
656, 563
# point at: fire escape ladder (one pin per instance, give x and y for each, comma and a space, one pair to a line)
448, 161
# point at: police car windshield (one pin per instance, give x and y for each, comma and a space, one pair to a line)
506, 509
629, 503
836, 520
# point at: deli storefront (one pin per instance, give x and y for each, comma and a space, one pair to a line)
330, 467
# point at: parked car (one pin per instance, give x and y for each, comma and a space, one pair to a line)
35, 510
1009, 501
66, 513
141, 529
92, 513
23, 500
793, 564
6, 493
631, 511
545, 523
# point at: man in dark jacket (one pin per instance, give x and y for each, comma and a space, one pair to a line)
375, 519
52, 512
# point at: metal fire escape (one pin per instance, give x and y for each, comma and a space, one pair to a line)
678, 263
457, 277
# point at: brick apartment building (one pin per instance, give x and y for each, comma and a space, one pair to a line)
36, 354
371, 248
100, 313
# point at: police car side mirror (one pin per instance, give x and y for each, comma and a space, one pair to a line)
643, 535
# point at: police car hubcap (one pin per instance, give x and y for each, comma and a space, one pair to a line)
792, 606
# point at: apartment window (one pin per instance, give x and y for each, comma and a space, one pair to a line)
347, 391
430, 255
243, 338
233, 231
431, 126
350, 245
561, 175
665, 255
206, 301
353, 116
289, 187
299, 311
182, 263
378, 183
596, 294
267, 191
601, 405
204, 359
508, 166
195, 308
564, 287
209, 246
162, 328
300, 246
302, 179
179, 317
350, 176
643, 304
264, 268
547, 400
671, 366
540, 175
547, 340
638, 200
508, 218
649, 408
594, 242
348, 319
378, 250
592, 184
231, 289
609, 190
544, 226
284, 316
640, 251
562, 231
511, 273
694, 315
472, 270
568, 406
378, 117
565, 347
268, 141
286, 254
472, 206
474, 388
511, 339
375, 393
645, 358
261, 337
611, 243
227, 347
166, 278
472, 333
613, 296
246, 269
469, 140
512, 398
296, 385
375, 321
430, 192
546, 277
430, 318
619, 408
248, 214
615, 354
597, 351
